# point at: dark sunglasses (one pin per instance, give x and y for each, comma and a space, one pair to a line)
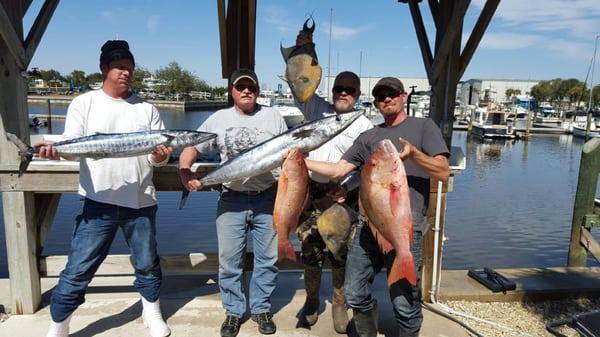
242, 87
338, 89
383, 94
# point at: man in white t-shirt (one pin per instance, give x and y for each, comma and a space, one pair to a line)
245, 206
118, 193
346, 90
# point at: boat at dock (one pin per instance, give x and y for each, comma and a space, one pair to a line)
492, 124
286, 107
579, 130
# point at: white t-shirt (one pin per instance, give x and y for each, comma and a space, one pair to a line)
237, 132
119, 181
332, 151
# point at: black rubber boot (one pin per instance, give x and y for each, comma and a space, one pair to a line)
366, 322
312, 283
338, 301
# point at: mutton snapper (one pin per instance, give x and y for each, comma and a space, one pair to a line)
114, 145
302, 71
385, 197
268, 155
334, 225
292, 198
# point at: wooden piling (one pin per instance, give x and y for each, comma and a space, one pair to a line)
587, 183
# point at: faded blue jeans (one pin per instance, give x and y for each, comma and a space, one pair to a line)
365, 260
237, 216
94, 232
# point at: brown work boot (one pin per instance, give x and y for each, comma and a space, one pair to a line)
338, 301
312, 283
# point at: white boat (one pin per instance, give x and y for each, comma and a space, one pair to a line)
519, 118
286, 107
492, 124
579, 130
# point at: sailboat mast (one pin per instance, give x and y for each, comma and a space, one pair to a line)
592, 75
329, 54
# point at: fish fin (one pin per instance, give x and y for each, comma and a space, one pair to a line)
245, 180
394, 199
403, 268
170, 137
283, 78
285, 251
25, 152
184, 196
285, 52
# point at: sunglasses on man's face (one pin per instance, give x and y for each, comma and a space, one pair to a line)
383, 94
338, 89
242, 87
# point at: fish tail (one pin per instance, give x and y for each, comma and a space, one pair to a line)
25, 152
286, 251
403, 268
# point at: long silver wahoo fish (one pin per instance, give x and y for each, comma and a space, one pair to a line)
268, 155
114, 145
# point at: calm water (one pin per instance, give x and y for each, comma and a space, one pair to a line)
511, 207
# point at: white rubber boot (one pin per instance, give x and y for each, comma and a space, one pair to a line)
60, 329
153, 319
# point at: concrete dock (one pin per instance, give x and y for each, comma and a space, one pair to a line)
192, 307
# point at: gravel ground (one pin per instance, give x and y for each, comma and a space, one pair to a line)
521, 318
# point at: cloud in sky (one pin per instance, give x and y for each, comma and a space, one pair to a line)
107, 15
279, 18
557, 26
345, 32
576, 18
152, 23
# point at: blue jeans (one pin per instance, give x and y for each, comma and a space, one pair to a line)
94, 232
237, 215
364, 261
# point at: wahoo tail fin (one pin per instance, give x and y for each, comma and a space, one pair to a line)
25, 152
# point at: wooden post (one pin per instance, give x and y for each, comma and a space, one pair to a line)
19, 207
21, 251
427, 243
584, 199
49, 105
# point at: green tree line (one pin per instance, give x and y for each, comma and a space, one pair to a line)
175, 79
570, 91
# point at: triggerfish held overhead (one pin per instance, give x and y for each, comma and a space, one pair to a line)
385, 197
302, 72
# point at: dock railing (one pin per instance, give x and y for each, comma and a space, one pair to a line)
586, 210
30, 203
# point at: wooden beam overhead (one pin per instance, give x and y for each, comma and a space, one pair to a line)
12, 40
421, 35
37, 30
478, 30
434, 7
223, 38
449, 39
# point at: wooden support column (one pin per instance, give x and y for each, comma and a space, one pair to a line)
427, 243
22, 251
589, 168
237, 31
21, 221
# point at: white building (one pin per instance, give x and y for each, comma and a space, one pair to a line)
474, 90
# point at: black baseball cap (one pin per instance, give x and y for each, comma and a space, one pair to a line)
113, 50
243, 73
390, 82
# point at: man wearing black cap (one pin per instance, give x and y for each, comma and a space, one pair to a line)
245, 206
425, 155
118, 193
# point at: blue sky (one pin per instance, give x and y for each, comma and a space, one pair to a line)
532, 39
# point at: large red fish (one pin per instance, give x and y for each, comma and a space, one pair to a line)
292, 197
385, 197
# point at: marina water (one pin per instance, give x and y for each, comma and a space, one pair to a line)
511, 207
